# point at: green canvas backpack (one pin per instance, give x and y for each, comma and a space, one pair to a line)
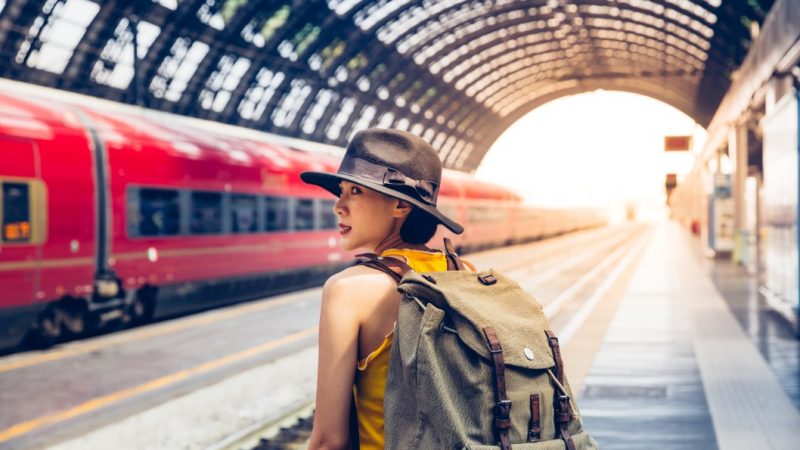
474, 366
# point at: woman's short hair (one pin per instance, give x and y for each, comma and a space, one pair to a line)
419, 227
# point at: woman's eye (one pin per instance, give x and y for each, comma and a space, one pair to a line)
355, 190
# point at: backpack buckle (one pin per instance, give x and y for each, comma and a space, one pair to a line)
502, 410
487, 279
563, 409
494, 349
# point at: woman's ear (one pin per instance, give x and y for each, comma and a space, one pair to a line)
401, 209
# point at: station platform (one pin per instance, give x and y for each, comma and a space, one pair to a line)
691, 360
664, 348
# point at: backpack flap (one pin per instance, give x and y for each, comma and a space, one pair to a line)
472, 301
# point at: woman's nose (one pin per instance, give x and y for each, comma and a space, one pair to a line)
338, 206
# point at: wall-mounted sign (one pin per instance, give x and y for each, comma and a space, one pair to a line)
677, 143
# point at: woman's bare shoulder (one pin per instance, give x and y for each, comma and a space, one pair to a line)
359, 282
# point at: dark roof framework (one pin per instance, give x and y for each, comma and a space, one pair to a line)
457, 72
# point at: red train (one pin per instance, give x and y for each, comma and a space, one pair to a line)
113, 214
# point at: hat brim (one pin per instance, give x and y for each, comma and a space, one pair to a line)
330, 182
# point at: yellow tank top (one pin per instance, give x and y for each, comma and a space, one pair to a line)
370, 382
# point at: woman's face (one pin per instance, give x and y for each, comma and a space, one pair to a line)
366, 217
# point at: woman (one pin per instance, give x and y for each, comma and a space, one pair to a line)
387, 186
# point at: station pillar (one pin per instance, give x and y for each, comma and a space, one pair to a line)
737, 151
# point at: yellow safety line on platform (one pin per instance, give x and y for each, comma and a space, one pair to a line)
114, 397
149, 331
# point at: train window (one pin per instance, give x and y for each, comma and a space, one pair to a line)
206, 212
159, 212
277, 214
329, 219
304, 215
244, 217
16, 212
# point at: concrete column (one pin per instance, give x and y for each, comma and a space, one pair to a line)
737, 150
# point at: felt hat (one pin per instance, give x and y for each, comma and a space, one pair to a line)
393, 162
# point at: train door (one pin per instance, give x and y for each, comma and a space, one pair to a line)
21, 232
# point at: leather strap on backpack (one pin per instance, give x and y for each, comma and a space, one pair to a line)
453, 261
502, 410
534, 425
390, 266
562, 409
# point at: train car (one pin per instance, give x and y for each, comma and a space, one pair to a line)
113, 216
48, 247
118, 215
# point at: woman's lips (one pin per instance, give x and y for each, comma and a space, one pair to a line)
343, 229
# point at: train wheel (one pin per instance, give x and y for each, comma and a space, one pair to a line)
141, 309
73, 320
47, 331
136, 312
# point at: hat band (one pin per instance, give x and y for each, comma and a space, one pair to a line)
427, 190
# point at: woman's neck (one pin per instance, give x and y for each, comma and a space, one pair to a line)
395, 241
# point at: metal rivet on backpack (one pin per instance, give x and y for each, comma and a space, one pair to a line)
528, 353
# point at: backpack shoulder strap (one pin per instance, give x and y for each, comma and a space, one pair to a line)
393, 267
453, 261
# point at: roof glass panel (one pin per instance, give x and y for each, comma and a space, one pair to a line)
439, 140
695, 9
434, 27
260, 30
259, 94
342, 7
169, 4
462, 158
386, 120
346, 108
367, 114
410, 93
357, 62
178, 68
221, 84
403, 124
292, 48
447, 147
363, 84
422, 100
323, 99
115, 65
377, 72
366, 18
412, 17
217, 13
285, 113
323, 60
55, 33
456, 31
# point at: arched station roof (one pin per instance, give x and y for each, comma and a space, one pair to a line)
457, 72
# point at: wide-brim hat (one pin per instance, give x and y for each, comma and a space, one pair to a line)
392, 162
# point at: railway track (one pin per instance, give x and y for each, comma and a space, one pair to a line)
284, 431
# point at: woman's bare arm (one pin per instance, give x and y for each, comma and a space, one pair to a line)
338, 354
